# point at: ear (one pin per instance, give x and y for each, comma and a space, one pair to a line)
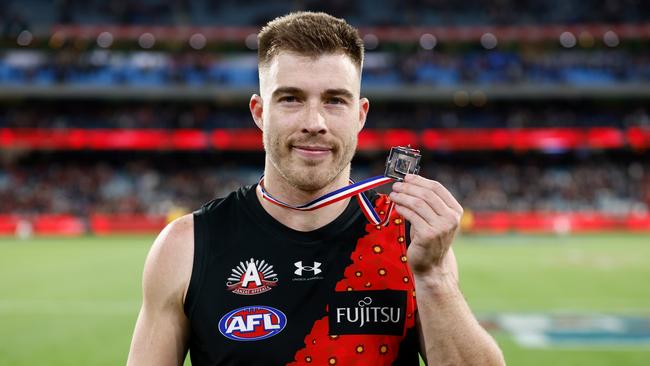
364, 106
256, 107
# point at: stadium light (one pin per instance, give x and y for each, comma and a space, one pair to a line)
57, 40
370, 41
198, 41
146, 40
567, 40
611, 39
251, 41
428, 41
489, 41
104, 39
586, 40
24, 38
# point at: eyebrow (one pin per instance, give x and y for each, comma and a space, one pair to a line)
287, 90
297, 91
339, 92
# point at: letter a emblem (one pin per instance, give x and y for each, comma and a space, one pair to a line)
251, 275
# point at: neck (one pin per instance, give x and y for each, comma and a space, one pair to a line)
282, 190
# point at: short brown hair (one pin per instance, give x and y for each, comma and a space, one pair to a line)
309, 34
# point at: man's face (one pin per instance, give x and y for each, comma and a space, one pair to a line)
310, 114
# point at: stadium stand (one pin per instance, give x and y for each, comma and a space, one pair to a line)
414, 116
365, 12
122, 112
444, 68
152, 186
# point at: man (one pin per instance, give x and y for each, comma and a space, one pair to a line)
249, 281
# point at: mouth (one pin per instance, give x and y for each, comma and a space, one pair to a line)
312, 151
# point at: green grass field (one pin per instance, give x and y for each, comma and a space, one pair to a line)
75, 301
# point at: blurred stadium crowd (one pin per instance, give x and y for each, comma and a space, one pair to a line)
143, 186
441, 68
57, 75
137, 187
206, 116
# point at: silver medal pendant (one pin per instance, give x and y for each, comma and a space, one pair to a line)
402, 161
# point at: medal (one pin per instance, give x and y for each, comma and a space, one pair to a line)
401, 161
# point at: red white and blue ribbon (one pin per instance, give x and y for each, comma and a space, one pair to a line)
353, 189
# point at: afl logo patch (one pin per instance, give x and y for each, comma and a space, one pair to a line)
252, 323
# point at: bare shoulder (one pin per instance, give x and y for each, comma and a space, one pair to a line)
169, 264
176, 234
160, 335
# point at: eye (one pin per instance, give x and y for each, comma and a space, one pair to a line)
335, 100
288, 99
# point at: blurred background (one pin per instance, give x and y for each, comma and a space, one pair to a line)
116, 117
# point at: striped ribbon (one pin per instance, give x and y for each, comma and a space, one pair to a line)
353, 189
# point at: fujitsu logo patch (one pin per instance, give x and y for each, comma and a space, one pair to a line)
367, 312
252, 277
252, 323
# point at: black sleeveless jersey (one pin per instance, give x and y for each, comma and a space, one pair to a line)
264, 294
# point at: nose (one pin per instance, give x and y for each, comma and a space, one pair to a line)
314, 121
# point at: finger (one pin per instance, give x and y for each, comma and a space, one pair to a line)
418, 205
438, 188
434, 201
411, 216
422, 230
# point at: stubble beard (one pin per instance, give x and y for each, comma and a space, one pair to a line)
305, 175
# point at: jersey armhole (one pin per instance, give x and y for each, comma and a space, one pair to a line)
196, 278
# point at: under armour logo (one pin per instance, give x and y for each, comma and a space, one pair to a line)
315, 268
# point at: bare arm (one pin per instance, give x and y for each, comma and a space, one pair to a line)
160, 336
449, 333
